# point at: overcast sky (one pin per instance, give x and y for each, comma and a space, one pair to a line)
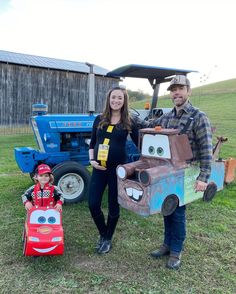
188, 34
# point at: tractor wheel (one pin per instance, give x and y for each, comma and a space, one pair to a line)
210, 192
169, 205
72, 179
32, 176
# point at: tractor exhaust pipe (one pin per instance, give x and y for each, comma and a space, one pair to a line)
91, 89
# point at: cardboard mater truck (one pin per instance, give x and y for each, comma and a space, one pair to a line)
162, 178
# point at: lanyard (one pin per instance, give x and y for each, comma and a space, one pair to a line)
103, 149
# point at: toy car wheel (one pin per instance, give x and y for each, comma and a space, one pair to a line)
73, 180
23, 236
24, 245
169, 205
210, 192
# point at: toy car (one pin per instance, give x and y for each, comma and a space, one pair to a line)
43, 232
161, 179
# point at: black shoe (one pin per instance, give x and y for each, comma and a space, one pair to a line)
162, 251
105, 247
174, 262
99, 242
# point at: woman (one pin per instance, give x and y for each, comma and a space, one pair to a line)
106, 151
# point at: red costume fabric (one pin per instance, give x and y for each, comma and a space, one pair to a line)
48, 196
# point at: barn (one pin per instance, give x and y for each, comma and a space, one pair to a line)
61, 84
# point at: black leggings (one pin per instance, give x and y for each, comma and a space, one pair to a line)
99, 180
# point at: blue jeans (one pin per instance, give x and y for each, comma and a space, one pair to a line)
175, 229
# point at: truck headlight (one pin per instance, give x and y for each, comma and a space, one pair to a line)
56, 239
33, 239
121, 172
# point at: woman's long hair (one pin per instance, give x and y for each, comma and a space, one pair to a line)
125, 122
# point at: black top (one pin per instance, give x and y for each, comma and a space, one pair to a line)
118, 136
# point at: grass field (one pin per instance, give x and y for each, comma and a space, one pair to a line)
209, 256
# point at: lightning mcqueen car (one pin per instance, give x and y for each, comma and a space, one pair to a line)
43, 232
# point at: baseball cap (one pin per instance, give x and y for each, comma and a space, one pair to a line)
179, 80
43, 169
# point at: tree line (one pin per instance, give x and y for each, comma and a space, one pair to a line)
138, 95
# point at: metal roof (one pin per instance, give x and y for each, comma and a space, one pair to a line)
146, 71
50, 63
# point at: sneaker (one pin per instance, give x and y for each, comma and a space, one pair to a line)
99, 242
174, 261
162, 251
105, 247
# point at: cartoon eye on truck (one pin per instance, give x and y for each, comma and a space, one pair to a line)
162, 179
43, 232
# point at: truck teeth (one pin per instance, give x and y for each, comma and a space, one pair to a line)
134, 193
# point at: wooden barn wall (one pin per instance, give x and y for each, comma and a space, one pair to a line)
64, 92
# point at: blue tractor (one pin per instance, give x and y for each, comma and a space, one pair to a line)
63, 139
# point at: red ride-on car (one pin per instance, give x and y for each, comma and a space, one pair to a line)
43, 232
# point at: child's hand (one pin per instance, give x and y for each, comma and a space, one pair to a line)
28, 205
58, 207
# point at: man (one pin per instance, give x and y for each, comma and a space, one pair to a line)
195, 124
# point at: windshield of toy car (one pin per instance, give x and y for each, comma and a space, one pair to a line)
45, 217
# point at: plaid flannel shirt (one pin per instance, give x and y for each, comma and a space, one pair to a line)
199, 134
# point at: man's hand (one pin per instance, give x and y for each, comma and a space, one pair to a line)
200, 186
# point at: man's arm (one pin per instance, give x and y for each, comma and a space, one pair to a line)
204, 140
161, 121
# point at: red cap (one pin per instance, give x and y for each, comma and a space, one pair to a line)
43, 169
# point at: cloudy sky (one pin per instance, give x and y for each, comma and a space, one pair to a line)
188, 34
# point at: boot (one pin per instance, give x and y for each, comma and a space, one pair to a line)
99, 242
162, 251
102, 228
174, 260
111, 226
105, 247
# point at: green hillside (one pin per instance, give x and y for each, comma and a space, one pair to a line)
228, 86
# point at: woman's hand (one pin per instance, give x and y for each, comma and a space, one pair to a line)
96, 165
